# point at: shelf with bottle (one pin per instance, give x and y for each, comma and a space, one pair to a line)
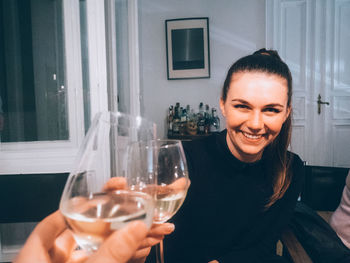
186, 123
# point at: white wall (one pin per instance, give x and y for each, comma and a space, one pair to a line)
236, 28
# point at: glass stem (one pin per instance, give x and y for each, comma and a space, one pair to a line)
159, 252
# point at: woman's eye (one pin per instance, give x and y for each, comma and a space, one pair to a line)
272, 110
240, 106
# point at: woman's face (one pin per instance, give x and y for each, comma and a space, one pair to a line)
255, 109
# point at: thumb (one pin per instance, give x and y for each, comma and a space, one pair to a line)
121, 245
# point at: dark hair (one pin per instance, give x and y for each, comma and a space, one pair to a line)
268, 61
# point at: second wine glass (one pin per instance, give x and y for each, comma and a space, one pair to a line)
166, 162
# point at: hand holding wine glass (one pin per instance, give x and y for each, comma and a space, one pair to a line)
92, 211
51, 241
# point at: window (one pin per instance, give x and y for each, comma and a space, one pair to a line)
55, 75
32, 75
61, 61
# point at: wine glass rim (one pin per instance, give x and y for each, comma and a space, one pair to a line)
103, 116
166, 143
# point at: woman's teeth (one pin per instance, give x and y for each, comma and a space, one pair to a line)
251, 136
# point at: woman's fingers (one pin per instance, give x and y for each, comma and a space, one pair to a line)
42, 239
78, 256
177, 186
150, 242
156, 234
161, 229
180, 184
140, 255
115, 183
63, 247
121, 245
49, 229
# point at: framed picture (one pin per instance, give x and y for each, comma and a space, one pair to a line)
187, 46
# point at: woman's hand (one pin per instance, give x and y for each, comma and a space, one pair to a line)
154, 236
121, 245
115, 183
52, 242
158, 231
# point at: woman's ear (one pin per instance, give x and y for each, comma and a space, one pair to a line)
222, 108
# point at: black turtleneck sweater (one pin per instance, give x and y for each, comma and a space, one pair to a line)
222, 217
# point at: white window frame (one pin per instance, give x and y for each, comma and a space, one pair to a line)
58, 156
134, 57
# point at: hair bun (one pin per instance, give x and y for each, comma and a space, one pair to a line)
268, 52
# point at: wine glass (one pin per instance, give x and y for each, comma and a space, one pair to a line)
165, 160
92, 208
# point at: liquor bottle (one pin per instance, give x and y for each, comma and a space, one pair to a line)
188, 110
181, 109
170, 120
176, 119
183, 119
215, 121
207, 119
201, 108
201, 119
191, 126
184, 115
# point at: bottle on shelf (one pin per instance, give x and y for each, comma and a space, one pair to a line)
170, 120
201, 119
191, 125
176, 119
188, 109
215, 121
207, 119
183, 119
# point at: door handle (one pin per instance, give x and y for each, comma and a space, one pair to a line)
319, 103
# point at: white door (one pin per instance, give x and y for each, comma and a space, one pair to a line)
313, 37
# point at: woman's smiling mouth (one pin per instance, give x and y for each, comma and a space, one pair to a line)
252, 136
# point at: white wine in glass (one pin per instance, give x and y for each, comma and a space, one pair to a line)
92, 205
93, 219
165, 160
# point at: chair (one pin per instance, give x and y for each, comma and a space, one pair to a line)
322, 193
26, 199
295, 251
30, 197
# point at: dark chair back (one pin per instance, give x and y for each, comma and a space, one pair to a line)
30, 197
323, 187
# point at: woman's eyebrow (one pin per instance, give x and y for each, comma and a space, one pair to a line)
268, 105
240, 100
274, 105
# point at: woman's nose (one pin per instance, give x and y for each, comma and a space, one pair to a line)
255, 121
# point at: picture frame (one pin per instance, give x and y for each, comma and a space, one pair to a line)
187, 48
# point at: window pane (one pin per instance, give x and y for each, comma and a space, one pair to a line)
85, 63
122, 48
32, 86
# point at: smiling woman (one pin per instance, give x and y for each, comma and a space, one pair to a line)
255, 109
244, 182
